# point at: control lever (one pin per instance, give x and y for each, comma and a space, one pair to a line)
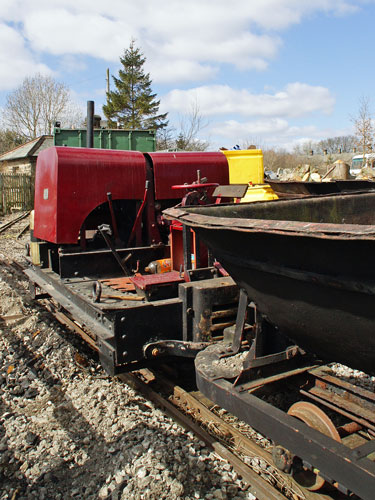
113, 217
106, 232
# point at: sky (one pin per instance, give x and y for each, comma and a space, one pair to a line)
275, 73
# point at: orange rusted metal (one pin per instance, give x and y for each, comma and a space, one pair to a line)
124, 284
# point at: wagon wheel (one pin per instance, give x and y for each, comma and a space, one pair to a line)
314, 417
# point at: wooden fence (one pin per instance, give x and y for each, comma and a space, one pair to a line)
16, 192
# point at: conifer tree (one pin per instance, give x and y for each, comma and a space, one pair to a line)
132, 104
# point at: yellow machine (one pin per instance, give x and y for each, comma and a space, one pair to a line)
246, 167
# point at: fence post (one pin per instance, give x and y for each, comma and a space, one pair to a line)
1, 193
16, 192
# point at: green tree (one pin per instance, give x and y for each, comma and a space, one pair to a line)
9, 140
132, 104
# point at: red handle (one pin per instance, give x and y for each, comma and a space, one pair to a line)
195, 186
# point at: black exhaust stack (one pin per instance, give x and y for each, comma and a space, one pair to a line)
90, 125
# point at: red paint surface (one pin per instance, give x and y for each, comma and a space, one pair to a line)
171, 169
71, 182
147, 281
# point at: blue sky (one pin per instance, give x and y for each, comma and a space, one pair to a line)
270, 72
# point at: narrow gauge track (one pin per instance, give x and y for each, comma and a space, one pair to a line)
197, 413
9, 224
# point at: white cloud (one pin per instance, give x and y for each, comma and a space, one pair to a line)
58, 32
275, 132
180, 71
185, 43
185, 40
243, 50
234, 128
16, 61
279, 14
297, 99
72, 64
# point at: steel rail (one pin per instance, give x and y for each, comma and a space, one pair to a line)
257, 486
63, 317
69, 322
193, 411
9, 224
23, 231
261, 489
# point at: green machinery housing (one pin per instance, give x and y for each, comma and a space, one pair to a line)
129, 140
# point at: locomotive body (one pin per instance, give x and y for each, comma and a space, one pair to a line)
98, 224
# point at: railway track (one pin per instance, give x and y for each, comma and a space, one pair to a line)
189, 410
198, 414
250, 460
14, 221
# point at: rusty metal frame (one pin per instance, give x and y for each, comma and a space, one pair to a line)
209, 306
355, 403
351, 469
205, 217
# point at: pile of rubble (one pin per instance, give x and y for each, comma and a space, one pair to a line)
366, 173
337, 171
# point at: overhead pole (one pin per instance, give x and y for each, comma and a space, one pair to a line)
90, 125
107, 81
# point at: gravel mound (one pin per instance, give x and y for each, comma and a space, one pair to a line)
67, 430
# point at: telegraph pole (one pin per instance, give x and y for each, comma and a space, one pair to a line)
107, 80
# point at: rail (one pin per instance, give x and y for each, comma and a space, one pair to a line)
198, 414
9, 224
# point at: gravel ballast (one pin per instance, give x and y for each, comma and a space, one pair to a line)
67, 430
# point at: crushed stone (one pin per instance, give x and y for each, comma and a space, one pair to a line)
67, 430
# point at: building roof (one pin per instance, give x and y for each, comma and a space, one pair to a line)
30, 149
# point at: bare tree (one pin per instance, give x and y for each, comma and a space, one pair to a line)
252, 143
188, 133
73, 116
32, 109
186, 136
275, 158
307, 146
363, 126
165, 139
333, 145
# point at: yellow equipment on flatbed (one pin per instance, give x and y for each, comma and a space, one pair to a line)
246, 167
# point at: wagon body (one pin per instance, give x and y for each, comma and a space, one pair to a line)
308, 264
